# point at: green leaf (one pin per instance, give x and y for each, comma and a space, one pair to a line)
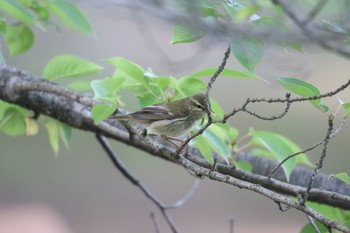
19, 38
216, 108
302, 88
202, 145
186, 34
190, 86
41, 12
80, 86
248, 51
102, 111
71, 16
65, 133
53, 131
346, 106
246, 12
308, 228
2, 59
128, 70
13, 123
204, 8
17, 11
3, 25
244, 166
343, 176
69, 66
32, 127
266, 24
327, 211
226, 72
147, 99
278, 146
161, 82
300, 158
262, 153
106, 89
58, 131
3, 107
217, 143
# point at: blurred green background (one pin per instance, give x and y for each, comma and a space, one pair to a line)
91, 196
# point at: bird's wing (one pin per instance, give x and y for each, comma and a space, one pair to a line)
152, 113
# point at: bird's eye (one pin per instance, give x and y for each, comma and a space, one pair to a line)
200, 106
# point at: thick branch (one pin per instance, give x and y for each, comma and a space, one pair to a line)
66, 108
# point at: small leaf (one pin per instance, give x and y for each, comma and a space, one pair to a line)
246, 12
161, 82
248, 51
3, 107
217, 144
52, 129
308, 228
148, 99
277, 146
13, 122
302, 88
80, 86
346, 106
19, 38
300, 158
128, 70
216, 108
226, 72
17, 11
244, 166
325, 210
190, 86
65, 133
2, 59
32, 127
185, 34
71, 16
3, 25
343, 176
202, 145
41, 12
106, 89
69, 66
266, 24
102, 111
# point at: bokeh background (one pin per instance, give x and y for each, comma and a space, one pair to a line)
81, 192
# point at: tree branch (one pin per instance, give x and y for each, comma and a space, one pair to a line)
78, 115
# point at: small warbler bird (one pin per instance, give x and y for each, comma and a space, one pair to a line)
171, 119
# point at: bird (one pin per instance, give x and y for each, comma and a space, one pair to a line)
171, 119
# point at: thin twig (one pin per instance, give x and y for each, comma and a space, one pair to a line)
232, 223
268, 118
261, 190
309, 30
315, 11
338, 130
293, 155
121, 167
188, 195
313, 224
213, 79
207, 102
321, 160
155, 222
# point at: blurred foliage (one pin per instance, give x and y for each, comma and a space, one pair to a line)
18, 18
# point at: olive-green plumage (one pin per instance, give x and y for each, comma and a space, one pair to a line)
172, 119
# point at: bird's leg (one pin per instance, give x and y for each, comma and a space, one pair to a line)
171, 139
